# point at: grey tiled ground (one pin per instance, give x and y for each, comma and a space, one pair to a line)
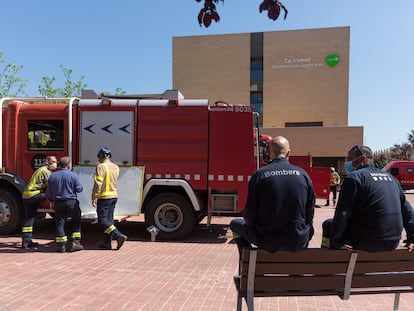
195, 274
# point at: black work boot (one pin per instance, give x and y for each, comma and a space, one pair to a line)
120, 240
61, 248
76, 246
29, 244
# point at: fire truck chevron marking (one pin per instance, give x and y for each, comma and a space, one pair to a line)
89, 128
106, 128
124, 128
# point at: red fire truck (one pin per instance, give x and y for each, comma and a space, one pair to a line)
180, 159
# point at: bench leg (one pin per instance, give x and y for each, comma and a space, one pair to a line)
250, 302
396, 301
239, 303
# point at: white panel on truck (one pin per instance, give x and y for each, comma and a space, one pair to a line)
130, 185
111, 129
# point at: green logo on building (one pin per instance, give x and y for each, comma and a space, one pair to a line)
332, 60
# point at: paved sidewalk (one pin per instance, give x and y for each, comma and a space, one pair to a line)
194, 274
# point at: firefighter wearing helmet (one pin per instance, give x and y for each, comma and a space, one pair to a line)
335, 180
104, 198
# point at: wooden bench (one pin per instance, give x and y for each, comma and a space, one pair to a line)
320, 272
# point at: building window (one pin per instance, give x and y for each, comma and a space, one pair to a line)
256, 100
256, 74
303, 124
256, 71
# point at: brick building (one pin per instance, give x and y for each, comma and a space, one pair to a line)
297, 79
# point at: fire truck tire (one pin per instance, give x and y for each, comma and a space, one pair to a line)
11, 215
172, 214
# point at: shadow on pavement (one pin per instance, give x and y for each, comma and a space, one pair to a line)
92, 236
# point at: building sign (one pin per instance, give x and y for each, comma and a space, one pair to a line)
306, 62
332, 60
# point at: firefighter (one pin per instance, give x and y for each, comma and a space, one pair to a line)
335, 180
61, 191
280, 204
33, 194
372, 209
104, 198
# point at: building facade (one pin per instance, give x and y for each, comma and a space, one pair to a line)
298, 80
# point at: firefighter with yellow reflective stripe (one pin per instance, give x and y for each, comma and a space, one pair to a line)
62, 190
33, 194
104, 198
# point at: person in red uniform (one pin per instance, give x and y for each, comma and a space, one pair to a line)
104, 198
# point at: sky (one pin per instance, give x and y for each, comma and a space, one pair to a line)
128, 44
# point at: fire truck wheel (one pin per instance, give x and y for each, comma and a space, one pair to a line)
11, 215
172, 214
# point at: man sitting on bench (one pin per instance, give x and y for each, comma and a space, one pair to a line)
372, 208
279, 207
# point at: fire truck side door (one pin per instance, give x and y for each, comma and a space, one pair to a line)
112, 129
130, 185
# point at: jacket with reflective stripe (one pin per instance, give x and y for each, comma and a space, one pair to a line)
105, 181
37, 183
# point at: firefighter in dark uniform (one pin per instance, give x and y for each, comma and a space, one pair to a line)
104, 198
62, 190
372, 208
33, 194
280, 205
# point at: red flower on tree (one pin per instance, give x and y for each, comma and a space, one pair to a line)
209, 12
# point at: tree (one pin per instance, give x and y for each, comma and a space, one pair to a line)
404, 151
410, 137
382, 157
70, 89
118, 92
209, 12
10, 83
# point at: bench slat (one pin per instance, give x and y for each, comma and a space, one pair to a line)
295, 283
297, 268
315, 255
329, 268
384, 266
398, 254
383, 280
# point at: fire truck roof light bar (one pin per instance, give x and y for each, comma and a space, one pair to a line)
144, 102
193, 102
168, 102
